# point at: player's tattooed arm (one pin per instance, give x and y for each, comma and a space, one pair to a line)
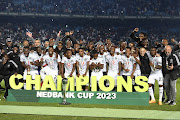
134, 68
122, 66
92, 66
60, 65
133, 35
41, 62
158, 67
74, 66
151, 64
107, 66
138, 61
36, 63
23, 64
77, 65
58, 37
119, 68
29, 34
100, 65
86, 69
127, 70
62, 70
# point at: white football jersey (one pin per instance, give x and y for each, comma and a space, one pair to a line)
82, 63
39, 57
117, 50
52, 62
68, 64
104, 60
156, 61
97, 71
31, 58
128, 64
113, 63
138, 69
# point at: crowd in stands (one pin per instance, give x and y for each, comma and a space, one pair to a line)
90, 30
94, 7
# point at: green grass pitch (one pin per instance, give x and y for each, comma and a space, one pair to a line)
51, 117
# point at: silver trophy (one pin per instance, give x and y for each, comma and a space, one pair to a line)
64, 83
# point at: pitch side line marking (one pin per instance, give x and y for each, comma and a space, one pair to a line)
90, 112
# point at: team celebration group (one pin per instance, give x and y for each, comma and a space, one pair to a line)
70, 57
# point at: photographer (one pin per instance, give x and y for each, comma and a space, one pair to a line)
171, 76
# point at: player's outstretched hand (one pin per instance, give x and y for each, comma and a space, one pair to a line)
67, 33
71, 32
29, 34
78, 75
151, 64
171, 67
173, 40
136, 30
158, 55
42, 59
70, 75
84, 75
59, 73
59, 33
62, 76
4, 61
93, 63
32, 63
132, 76
15, 73
127, 70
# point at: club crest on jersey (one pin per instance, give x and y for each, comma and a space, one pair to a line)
68, 64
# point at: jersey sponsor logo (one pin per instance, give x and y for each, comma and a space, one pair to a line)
113, 62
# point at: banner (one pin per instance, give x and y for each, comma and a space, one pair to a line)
82, 97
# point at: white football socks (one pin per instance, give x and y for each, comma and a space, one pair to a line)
151, 93
160, 93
